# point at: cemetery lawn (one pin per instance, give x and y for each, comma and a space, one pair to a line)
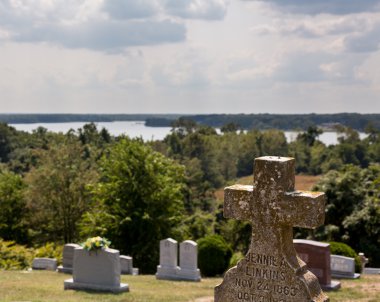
45, 286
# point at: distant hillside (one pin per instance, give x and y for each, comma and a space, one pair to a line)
290, 121
66, 118
246, 121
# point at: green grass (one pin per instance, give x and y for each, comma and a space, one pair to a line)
44, 286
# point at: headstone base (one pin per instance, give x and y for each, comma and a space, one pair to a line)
189, 275
65, 270
167, 273
334, 285
371, 271
70, 284
345, 276
177, 274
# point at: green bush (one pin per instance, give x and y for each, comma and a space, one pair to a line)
342, 249
49, 250
14, 256
236, 257
213, 255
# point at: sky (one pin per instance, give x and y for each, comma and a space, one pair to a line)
189, 56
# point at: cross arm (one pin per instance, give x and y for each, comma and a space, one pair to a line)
303, 209
237, 200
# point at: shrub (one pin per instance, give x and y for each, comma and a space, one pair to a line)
213, 255
236, 257
342, 249
14, 256
49, 250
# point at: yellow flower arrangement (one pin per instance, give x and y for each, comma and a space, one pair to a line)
95, 243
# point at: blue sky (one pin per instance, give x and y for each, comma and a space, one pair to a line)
189, 56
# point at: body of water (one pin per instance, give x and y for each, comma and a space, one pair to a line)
138, 129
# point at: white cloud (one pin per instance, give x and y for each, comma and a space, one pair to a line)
368, 41
197, 9
131, 9
335, 7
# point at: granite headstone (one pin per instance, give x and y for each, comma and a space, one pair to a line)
317, 256
188, 261
168, 268
343, 267
96, 270
44, 264
68, 258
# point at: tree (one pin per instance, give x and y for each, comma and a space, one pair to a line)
12, 206
57, 194
141, 199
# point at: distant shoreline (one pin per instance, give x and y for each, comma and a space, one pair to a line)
289, 122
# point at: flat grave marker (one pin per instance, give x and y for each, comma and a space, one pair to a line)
44, 264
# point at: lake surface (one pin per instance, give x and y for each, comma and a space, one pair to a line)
138, 129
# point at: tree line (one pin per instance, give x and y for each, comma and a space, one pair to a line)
65, 187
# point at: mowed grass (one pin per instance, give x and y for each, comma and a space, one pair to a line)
41, 286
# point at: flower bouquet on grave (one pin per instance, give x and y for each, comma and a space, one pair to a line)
95, 244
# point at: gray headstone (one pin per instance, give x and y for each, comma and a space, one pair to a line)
44, 264
126, 265
168, 268
188, 261
68, 258
343, 267
371, 271
96, 270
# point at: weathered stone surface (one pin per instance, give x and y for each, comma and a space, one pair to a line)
317, 257
68, 258
44, 264
271, 270
96, 270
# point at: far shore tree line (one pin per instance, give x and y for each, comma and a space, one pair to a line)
65, 187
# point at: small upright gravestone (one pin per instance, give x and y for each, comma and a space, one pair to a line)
343, 267
317, 256
168, 268
68, 258
271, 270
96, 270
188, 261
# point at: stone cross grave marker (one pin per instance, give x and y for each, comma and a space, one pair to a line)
271, 270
